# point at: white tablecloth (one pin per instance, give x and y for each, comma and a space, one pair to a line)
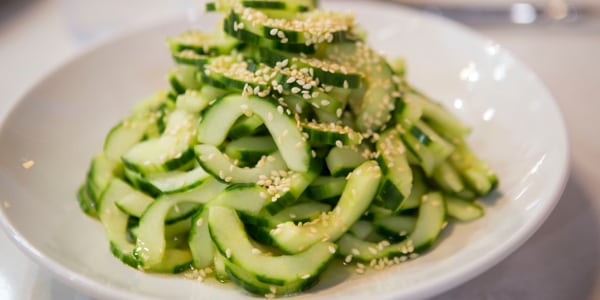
559, 262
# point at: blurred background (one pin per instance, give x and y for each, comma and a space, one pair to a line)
558, 39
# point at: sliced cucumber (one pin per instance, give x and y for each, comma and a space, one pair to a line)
357, 196
151, 244
428, 226
192, 101
219, 118
250, 149
327, 72
343, 160
326, 187
398, 175
227, 231
249, 199
219, 165
309, 28
101, 171
476, 172
210, 43
395, 228
374, 110
331, 134
183, 78
168, 183
463, 210
169, 152
286, 189
115, 221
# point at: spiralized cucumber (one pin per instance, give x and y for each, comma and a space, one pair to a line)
285, 141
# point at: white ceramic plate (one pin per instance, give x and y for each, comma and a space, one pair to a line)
47, 140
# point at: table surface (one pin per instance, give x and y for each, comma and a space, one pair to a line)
559, 262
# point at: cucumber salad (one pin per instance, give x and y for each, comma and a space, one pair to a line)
284, 145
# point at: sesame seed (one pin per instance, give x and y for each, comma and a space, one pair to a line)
332, 249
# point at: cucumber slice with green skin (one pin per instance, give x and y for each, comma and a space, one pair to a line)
218, 119
424, 145
212, 93
176, 234
233, 72
219, 165
328, 72
447, 178
419, 188
115, 221
207, 43
439, 118
374, 109
151, 244
201, 245
251, 38
343, 160
191, 58
247, 126
475, 172
362, 229
287, 187
250, 149
428, 137
274, 9
230, 238
417, 154
309, 28
298, 105
168, 183
183, 78
219, 268
175, 261
331, 134
135, 206
134, 203
326, 187
411, 108
300, 212
429, 223
394, 165
249, 283
193, 102
185, 209
127, 134
169, 152
101, 171
249, 199
462, 210
356, 198
395, 228
86, 204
